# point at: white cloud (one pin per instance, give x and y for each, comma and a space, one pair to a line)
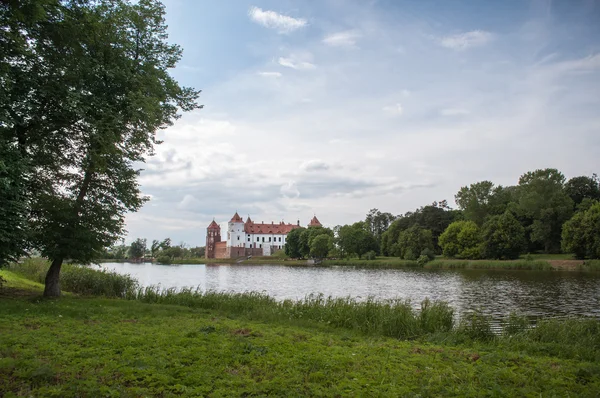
394, 110
405, 93
272, 20
463, 41
295, 64
342, 39
454, 112
289, 190
314, 165
270, 74
188, 202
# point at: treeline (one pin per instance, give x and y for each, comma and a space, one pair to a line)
542, 213
163, 251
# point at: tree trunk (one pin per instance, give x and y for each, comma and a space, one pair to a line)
52, 288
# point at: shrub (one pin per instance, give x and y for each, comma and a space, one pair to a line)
503, 237
166, 260
412, 242
461, 240
581, 234
370, 255
422, 260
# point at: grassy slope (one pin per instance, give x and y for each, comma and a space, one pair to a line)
92, 346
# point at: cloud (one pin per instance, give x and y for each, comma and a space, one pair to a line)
270, 74
272, 20
463, 41
314, 165
290, 190
394, 110
188, 202
454, 112
342, 39
293, 63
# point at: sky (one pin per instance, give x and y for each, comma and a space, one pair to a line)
334, 107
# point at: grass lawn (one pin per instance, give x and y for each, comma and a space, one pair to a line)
89, 347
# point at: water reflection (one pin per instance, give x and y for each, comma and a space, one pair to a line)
495, 292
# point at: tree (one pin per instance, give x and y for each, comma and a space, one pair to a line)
482, 199
544, 206
461, 240
154, 248
292, 243
165, 244
320, 245
503, 237
355, 240
308, 234
413, 242
95, 89
580, 188
377, 223
137, 249
581, 234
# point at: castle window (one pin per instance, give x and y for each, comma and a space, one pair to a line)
269, 239
261, 245
280, 238
238, 237
263, 240
248, 239
257, 239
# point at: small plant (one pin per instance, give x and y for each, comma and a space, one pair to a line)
422, 260
476, 326
515, 324
528, 257
165, 260
370, 255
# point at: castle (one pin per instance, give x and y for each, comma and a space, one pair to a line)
248, 238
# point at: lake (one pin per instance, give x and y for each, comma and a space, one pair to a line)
495, 292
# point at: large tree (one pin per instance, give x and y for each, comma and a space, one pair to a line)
503, 237
580, 188
461, 240
98, 90
543, 205
581, 234
483, 199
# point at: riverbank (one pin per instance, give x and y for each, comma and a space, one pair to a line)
537, 262
227, 345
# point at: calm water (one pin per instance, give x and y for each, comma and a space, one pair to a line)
495, 292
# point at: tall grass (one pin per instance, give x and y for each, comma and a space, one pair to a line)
490, 264
393, 318
78, 279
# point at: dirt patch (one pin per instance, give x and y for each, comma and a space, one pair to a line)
566, 264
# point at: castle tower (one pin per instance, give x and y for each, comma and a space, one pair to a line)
235, 231
213, 235
315, 222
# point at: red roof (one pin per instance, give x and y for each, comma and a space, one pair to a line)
275, 229
314, 222
236, 218
213, 225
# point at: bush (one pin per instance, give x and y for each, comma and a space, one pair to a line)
78, 278
166, 260
370, 255
412, 242
461, 240
581, 234
422, 260
503, 237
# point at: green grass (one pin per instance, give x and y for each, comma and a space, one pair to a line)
225, 345
77, 279
444, 263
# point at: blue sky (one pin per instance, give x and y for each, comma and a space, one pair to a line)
335, 107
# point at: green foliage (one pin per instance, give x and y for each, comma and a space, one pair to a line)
137, 249
370, 255
412, 242
462, 239
79, 279
581, 188
355, 240
581, 234
306, 241
166, 260
503, 237
320, 245
481, 200
545, 206
293, 242
476, 326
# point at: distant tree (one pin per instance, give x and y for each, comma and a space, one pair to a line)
308, 234
355, 239
482, 199
461, 240
581, 234
320, 245
292, 243
377, 222
544, 206
580, 188
137, 249
165, 244
503, 237
412, 242
154, 248
119, 252
197, 252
